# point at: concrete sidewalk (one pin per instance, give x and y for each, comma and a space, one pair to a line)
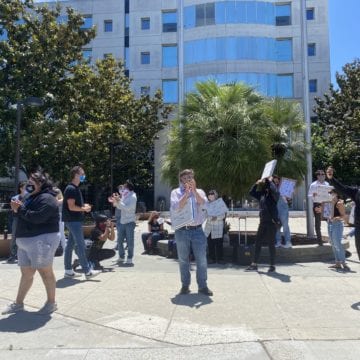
304, 311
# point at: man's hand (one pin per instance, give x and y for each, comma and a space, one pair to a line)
86, 208
15, 204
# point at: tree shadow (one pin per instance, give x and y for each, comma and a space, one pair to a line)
276, 275
191, 300
23, 321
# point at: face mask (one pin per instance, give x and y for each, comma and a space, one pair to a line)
82, 178
30, 188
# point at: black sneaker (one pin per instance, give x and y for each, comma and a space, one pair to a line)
205, 291
184, 290
346, 267
251, 268
271, 268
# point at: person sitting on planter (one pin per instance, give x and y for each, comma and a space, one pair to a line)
154, 234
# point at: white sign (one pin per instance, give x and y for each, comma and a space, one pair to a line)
268, 169
216, 207
182, 217
322, 193
287, 187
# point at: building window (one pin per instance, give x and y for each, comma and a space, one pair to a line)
107, 55
313, 85
145, 90
310, 14
145, 23
205, 14
312, 49
145, 58
283, 49
169, 56
284, 85
108, 26
87, 54
170, 91
283, 14
169, 21
87, 22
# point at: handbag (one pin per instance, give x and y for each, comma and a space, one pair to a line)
59, 251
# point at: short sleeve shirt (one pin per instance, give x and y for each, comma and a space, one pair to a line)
72, 192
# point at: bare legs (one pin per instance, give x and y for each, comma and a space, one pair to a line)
27, 278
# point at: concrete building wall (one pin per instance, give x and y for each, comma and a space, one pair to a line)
152, 39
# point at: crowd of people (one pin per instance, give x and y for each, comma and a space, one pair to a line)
41, 213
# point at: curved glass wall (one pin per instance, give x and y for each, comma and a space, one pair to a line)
237, 48
230, 12
267, 84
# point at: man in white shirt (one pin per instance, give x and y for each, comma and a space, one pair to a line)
192, 235
126, 202
317, 209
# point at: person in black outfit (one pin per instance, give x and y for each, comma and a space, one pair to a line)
266, 192
352, 192
104, 230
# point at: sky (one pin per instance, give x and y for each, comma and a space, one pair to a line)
344, 28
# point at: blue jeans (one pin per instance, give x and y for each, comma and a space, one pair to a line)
126, 231
195, 239
283, 213
335, 230
118, 224
76, 238
155, 237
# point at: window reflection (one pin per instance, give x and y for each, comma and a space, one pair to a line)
169, 56
237, 48
170, 91
267, 84
169, 21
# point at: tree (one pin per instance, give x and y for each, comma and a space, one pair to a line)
226, 134
91, 108
336, 136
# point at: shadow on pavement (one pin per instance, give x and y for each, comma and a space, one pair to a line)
356, 306
191, 300
66, 282
276, 275
23, 321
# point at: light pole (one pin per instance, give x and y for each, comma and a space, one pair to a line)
30, 101
305, 79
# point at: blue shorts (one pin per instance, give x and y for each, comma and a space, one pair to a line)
37, 251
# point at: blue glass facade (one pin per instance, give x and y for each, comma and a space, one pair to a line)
169, 56
170, 91
266, 84
237, 48
229, 12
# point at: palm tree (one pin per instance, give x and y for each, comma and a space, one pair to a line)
226, 134
285, 133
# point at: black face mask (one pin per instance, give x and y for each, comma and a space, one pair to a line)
30, 188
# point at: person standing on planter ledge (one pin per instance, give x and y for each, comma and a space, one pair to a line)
192, 235
317, 209
73, 217
352, 192
266, 192
37, 238
126, 202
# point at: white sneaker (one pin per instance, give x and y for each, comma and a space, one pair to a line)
13, 308
128, 261
48, 308
277, 245
71, 274
92, 273
287, 246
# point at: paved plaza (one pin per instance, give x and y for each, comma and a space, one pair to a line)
303, 311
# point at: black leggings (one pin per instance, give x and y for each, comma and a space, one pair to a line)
266, 231
215, 248
101, 254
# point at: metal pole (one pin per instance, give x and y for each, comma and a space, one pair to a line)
306, 105
111, 168
17, 149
